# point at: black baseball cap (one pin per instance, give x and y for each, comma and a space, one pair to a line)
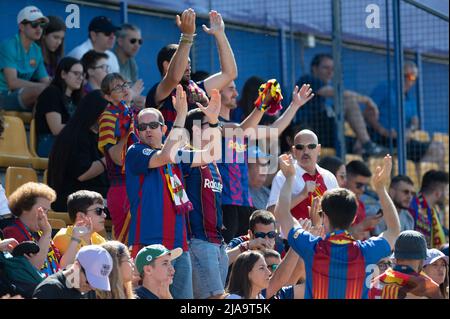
102, 24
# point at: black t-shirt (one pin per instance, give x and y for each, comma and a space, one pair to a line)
52, 100
54, 287
316, 106
144, 293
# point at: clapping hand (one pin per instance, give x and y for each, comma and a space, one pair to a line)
287, 165
382, 175
216, 24
213, 109
179, 101
186, 23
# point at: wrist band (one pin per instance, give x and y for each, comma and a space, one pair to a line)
214, 125
75, 239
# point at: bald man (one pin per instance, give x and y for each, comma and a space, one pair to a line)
311, 180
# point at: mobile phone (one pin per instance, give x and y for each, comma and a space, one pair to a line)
25, 248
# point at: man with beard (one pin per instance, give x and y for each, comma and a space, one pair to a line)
425, 207
401, 191
311, 180
23, 75
175, 67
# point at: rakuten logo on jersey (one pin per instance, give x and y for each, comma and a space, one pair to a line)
215, 186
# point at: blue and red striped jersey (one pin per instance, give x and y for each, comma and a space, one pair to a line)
204, 189
153, 216
336, 267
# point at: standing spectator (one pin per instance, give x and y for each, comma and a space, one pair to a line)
338, 261
23, 76
30, 203
175, 67
101, 39
87, 212
249, 276
436, 267
401, 192
320, 116
425, 210
75, 162
257, 177
311, 180
52, 43
382, 130
90, 271
96, 67
121, 274
116, 134
154, 265
57, 103
337, 167
246, 103
128, 43
405, 279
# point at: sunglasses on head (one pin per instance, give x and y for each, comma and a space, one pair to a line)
99, 210
272, 267
301, 147
35, 24
134, 40
260, 234
152, 125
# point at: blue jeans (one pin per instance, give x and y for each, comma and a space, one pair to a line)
181, 287
11, 101
45, 143
209, 268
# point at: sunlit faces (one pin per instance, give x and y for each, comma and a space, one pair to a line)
151, 136
437, 270
54, 40
161, 270
272, 263
42, 204
229, 95
357, 184
120, 90
259, 276
341, 176
131, 43
261, 228
402, 194
306, 157
127, 268
97, 215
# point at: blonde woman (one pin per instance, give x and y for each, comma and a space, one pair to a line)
122, 273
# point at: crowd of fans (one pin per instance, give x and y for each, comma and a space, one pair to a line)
195, 220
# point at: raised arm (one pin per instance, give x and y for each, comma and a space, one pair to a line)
179, 62
381, 180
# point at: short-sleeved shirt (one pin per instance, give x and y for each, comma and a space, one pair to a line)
323, 177
204, 189
63, 237
55, 287
144, 293
29, 65
129, 70
166, 106
154, 219
336, 267
86, 46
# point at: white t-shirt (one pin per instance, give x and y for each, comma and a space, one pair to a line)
4, 209
328, 178
80, 50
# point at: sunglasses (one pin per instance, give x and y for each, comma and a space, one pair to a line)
134, 40
35, 24
410, 76
301, 147
153, 125
100, 210
272, 267
260, 234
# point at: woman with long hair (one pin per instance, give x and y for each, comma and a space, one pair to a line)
121, 274
52, 43
58, 102
249, 276
436, 267
75, 163
337, 167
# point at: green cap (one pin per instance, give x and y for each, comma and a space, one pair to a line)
149, 253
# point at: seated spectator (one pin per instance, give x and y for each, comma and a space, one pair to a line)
90, 271
57, 103
96, 68
320, 117
154, 265
405, 279
257, 177
436, 267
128, 43
121, 274
30, 204
75, 162
52, 44
337, 167
23, 76
425, 207
401, 191
101, 39
87, 212
386, 98
249, 276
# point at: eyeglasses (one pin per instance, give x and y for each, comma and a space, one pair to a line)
134, 40
301, 147
410, 76
35, 24
104, 67
99, 210
272, 267
77, 74
360, 185
260, 234
122, 87
152, 125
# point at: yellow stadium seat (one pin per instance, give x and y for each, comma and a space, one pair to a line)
327, 151
13, 144
45, 177
61, 216
56, 223
348, 130
26, 117
17, 176
36, 161
443, 138
411, 172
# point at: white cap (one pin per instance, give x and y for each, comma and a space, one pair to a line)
97, 264
434, 254
30, 13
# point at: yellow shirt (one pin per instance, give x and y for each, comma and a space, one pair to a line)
63, 237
